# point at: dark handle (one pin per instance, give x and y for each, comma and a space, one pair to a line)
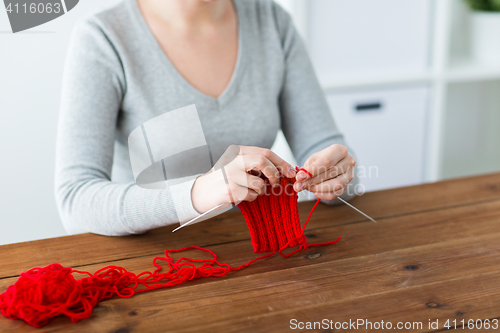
368, 106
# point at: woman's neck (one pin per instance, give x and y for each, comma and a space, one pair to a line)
187, 14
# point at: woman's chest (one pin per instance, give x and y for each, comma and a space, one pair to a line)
207, 63
247, 113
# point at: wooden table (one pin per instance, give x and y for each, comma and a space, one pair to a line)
433, 255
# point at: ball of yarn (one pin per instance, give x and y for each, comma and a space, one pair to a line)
42, 293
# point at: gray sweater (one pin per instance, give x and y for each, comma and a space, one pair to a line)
117, 77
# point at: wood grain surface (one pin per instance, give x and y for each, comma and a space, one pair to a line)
434, 255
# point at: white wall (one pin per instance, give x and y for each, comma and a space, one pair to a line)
358, 38
472, 135
31, 65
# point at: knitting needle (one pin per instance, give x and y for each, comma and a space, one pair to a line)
348, 204
198, 217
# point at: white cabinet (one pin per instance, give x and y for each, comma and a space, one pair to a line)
386, 130
349, 38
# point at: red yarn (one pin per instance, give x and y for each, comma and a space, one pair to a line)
43, 293
307, 172
273, 218
279, 229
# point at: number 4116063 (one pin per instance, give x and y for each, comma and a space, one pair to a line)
35, 8
472, 324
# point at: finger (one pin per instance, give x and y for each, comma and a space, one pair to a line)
322, 161
242, 193
302, 176
344, 166
332, 185
250, 182
338, 189
300, 183
235, 173
326, 196
300, 180
262, 164
283, 166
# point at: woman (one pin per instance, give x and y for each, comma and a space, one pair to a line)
240, 62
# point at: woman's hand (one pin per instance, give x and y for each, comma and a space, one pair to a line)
238, 176
332, 170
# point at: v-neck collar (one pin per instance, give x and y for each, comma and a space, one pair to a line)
163, 58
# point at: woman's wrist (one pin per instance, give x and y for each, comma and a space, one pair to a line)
207, 191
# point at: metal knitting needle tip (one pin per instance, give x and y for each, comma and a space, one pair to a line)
348, 204
198, 217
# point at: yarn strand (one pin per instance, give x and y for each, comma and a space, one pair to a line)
43, 293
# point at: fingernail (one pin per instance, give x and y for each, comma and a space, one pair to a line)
291, 172
301, 176
300, 186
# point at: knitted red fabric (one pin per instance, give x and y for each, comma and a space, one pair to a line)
43, 293
273, 218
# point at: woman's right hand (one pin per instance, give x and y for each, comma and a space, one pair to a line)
239, 176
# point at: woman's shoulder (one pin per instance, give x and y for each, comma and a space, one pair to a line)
266, 11
114, 31
263, 7
109, 22
109, 16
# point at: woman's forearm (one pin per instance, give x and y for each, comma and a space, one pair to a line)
93, 89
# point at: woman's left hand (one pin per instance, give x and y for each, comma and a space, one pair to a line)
332, 170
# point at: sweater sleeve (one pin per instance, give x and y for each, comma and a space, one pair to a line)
306, 120
88, 201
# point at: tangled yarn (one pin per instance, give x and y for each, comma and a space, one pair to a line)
43, 293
